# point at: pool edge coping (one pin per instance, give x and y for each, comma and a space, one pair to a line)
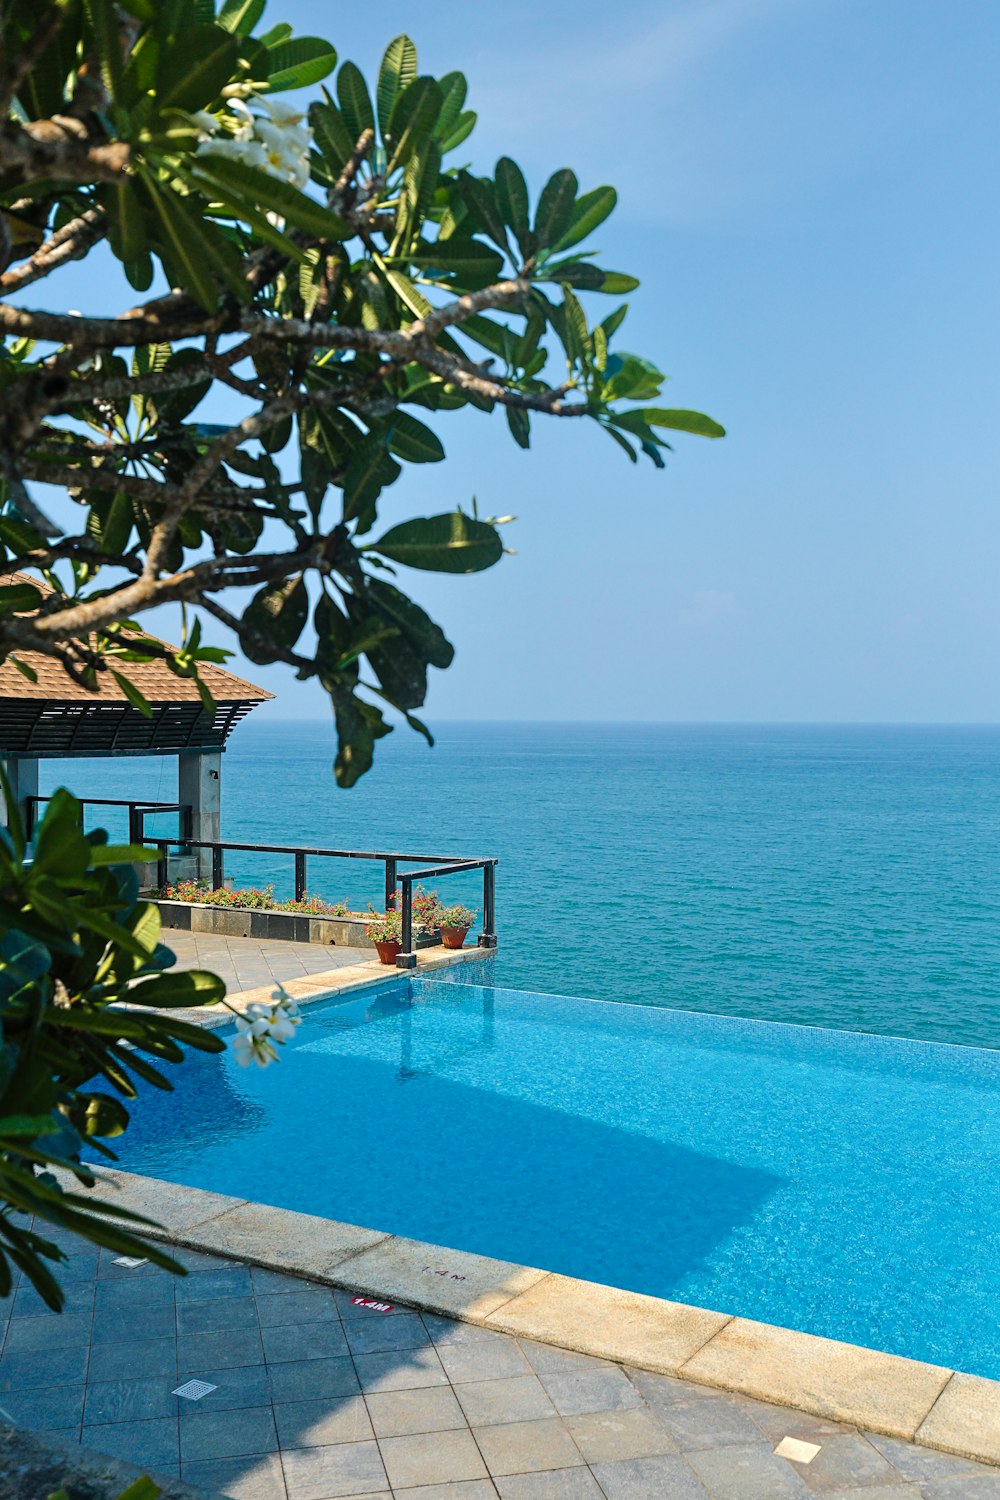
889, 1394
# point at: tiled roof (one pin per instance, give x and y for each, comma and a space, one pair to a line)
153, 679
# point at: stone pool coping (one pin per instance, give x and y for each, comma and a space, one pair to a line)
884, 1393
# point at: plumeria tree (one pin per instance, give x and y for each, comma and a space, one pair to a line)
297, 279
316, 284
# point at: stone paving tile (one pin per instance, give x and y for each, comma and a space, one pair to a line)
608, 1436
153, 1443
576, 1391
227, 1434
745, 1473
926, 1463
427, 1409
845, 1460
317, 1398
431, 1458
328, 1473
708, 1424
525, 1447
644, 1478
557, 1484
259, 1478
519, 1398
322, 1422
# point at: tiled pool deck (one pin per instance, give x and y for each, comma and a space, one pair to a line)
246, 963
317, 1398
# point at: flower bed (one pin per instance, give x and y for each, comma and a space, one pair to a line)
192, 906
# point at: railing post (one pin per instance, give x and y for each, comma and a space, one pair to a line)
300, 877
30, 817
390, 884
186, 825
488, 936
218, 868
407, 958
134, 824
161, 865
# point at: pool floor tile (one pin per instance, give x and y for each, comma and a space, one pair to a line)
132, 1400
207, 1351
215, 1314
301, 1380
294, 1341
34, 1368
431, 1458
385, 1334
56, 1406
300, 1305
142, 1357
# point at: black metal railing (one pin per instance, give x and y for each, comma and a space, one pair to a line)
137, 812
439, 866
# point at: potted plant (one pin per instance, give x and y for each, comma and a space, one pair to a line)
426, 908
385, 930
454, 922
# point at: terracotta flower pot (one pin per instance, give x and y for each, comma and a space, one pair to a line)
388, 952
453, 937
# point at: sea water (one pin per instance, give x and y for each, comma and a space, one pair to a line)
838, 876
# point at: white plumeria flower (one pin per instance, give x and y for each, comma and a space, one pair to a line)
253, 1042
280, 111
206, 122
250, 152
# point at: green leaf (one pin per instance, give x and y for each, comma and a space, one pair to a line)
512, 196
277, 612
617, 283
355, 105
471, 263
413, 442
134, 696
369, 470
412, 622
580, 274
453, 91
683, 421
332, 136
60, 847
240, 16
481, 199
299, 62
127, 233
589, 211
464, 127
249, 188
107, 42
121, 854
454, 543
179, 988
398, 68
519, 424
555, 207
187, 245
413, 117
195, 68
18, 598
359, 725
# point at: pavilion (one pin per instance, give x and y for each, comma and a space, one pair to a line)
57, 718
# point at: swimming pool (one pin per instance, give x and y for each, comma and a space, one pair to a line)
836, 1183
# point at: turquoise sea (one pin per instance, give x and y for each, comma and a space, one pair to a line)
841, 876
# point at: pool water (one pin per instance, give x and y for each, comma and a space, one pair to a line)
841, 1184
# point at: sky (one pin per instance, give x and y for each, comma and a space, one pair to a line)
808, 194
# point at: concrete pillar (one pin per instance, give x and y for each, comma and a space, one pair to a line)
199, 785
22, 773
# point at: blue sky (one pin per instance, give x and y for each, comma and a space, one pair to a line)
808, 192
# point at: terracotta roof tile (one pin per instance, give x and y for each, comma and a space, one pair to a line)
153, 679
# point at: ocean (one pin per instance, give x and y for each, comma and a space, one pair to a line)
840, 876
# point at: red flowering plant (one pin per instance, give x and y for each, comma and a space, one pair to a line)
426, 907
